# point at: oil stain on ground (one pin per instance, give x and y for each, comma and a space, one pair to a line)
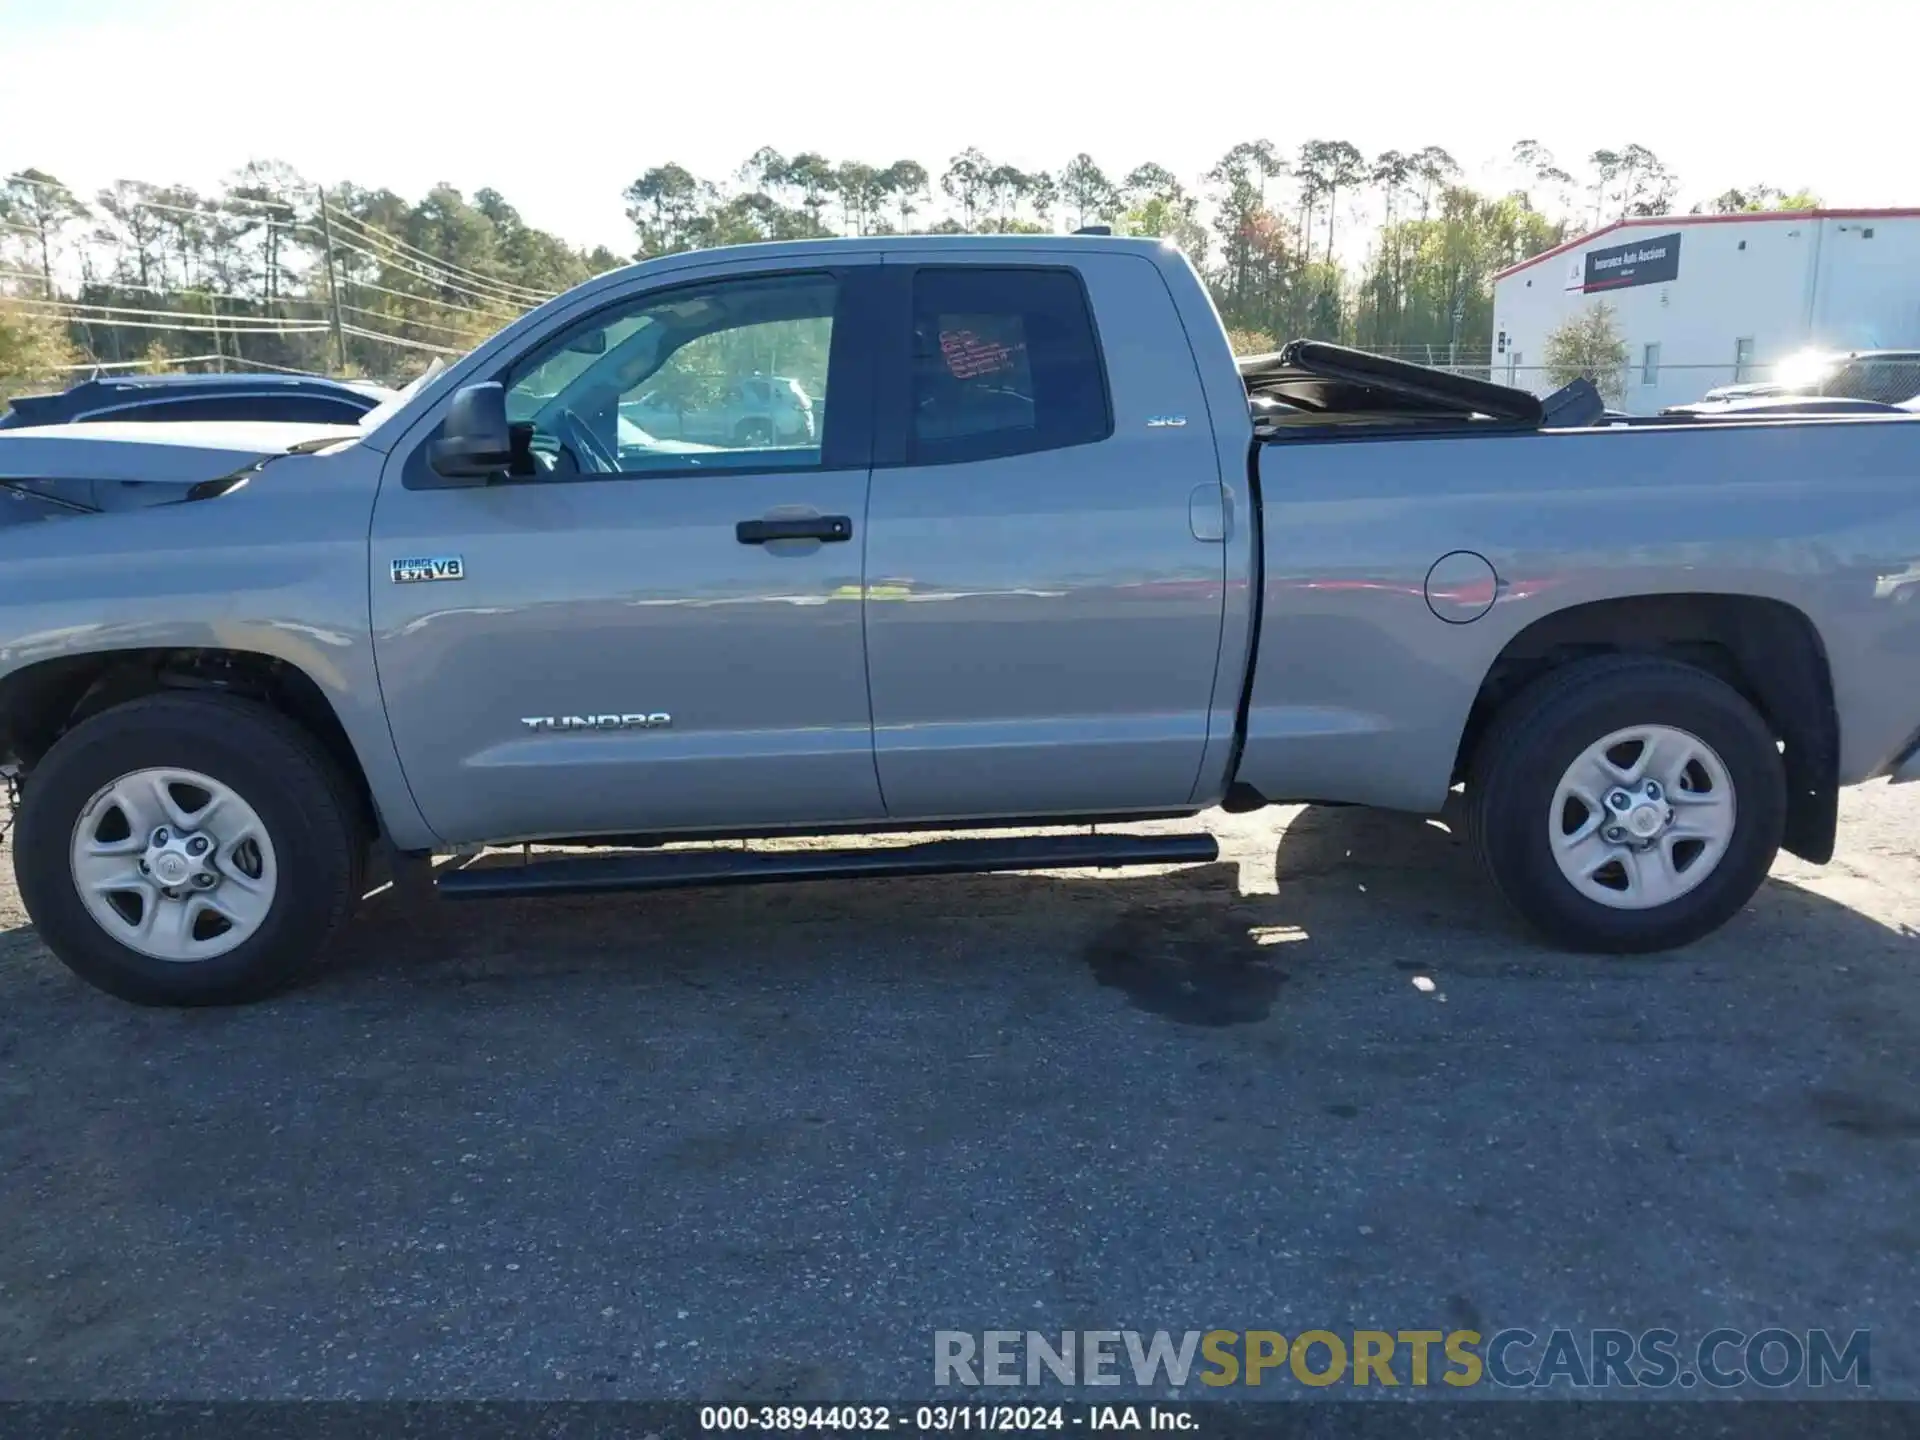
1193, 965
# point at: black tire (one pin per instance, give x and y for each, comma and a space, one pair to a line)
307, 806
1542, 731
750, 433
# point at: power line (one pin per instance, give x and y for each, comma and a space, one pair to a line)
374, 233
221, 326
136, 364
190, 292
520, 294
495, 301
222, 329
57, 186
444, 279
210, 211
412, 254
264, 365
446, 283
398, 340
404, 320
234, 322
60, 187
499, 315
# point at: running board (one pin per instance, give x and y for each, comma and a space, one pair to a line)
679, 869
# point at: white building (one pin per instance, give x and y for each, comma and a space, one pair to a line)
1706, 300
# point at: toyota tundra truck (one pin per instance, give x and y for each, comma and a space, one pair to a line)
1051, 559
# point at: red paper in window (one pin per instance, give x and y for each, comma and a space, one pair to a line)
970, 355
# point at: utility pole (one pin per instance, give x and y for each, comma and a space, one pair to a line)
333, 290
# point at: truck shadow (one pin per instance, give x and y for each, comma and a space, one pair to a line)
1342, 889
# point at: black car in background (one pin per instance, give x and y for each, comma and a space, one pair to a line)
304, 399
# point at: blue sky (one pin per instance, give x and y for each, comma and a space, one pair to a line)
559, 103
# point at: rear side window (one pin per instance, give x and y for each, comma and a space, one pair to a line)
1005, 362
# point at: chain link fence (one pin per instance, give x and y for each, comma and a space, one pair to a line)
1645, 387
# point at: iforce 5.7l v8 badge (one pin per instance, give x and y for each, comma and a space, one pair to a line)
418, 568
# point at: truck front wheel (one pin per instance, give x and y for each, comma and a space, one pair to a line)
187, 849
1627, 804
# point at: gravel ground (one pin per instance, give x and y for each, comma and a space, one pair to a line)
763, 1144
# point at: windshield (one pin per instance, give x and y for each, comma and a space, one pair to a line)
391, 406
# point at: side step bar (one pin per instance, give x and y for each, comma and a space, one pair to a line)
679, 869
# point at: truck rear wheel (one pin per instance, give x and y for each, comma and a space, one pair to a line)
187, 849
1627, 804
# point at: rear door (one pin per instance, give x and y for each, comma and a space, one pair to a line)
1045, 569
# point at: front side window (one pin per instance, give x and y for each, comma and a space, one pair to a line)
1005, 361
1743, 360
691, 379
1650, 364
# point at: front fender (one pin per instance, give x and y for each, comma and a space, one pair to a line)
277, 568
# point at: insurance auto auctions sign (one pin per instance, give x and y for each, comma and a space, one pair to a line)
1643, 262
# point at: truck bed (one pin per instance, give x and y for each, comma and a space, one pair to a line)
1405, 549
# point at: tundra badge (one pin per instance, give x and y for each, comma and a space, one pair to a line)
417, 568
557, 724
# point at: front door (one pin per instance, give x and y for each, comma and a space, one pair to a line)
1045, 578
642, 633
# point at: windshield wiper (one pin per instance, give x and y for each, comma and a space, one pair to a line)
320, 442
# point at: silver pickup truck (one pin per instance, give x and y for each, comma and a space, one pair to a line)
1051, 558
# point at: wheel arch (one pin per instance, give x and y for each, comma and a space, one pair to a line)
41, 701
1766, 649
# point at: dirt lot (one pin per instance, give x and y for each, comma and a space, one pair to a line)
765, 1143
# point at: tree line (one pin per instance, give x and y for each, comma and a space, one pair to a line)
266, 272
1263, 224
1393, 252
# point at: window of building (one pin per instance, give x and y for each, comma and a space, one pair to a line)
1650, 364
1743, 360
1004, 362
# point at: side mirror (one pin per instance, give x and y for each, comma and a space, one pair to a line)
475, 442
